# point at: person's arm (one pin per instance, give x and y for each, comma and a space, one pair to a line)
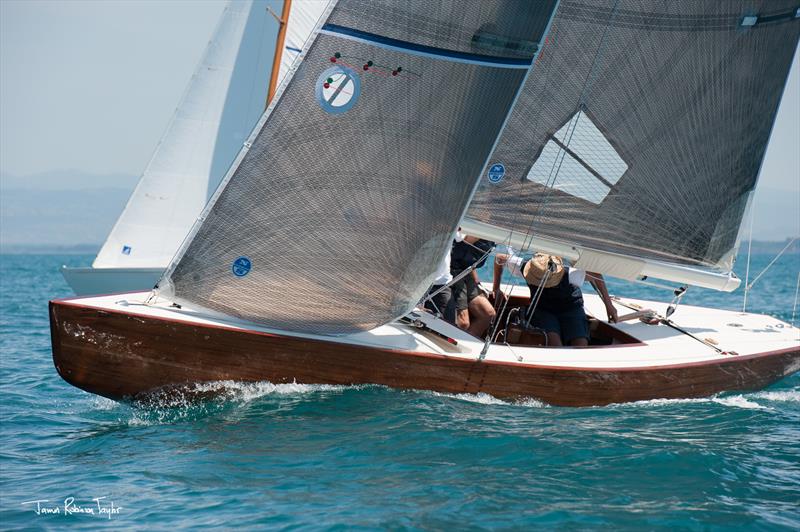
500, 260
599, 284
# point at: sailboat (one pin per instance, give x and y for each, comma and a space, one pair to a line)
626, 136
253, 46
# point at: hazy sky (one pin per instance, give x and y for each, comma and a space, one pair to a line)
91, 85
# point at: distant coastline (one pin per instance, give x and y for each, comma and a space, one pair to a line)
49, 249
771, 247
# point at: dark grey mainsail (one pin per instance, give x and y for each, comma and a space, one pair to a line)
643, 131
339, 212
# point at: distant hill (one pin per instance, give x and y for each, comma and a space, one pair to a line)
58, 211
67, 180
59, 217
777, 214
771, 248
70, 211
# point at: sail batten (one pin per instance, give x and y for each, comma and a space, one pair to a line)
643, 132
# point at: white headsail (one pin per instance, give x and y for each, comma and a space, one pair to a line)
223, 101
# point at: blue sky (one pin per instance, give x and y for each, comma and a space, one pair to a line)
89, 86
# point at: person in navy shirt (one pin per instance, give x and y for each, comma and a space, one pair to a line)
560, 310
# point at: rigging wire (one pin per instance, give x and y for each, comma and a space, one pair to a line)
788, 244
554, 171
587, 84
796, 292
749, 250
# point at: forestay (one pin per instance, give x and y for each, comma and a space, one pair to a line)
337, 214
643, 131
221, 105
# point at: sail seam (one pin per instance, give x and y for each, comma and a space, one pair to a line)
424, 50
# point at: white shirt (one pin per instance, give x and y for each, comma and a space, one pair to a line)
515, 262
443, 275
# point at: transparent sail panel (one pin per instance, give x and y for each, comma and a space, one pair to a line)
582, 158
337, 216
643, 131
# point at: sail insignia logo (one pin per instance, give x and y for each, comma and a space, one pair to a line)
338, 89
241, 266
126, 250
496, 173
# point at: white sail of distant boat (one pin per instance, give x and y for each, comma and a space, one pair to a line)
225, 97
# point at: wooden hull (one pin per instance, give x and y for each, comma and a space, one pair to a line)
121, 356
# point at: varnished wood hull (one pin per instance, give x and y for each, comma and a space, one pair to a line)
121, 355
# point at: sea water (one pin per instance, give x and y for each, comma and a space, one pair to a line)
368, 457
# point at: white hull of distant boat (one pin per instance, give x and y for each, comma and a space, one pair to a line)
86, 281
122, 348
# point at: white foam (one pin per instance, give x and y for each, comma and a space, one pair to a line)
660, 402
739, 401
788, 396
103, 403
249, 391
201, 399
480, 398
486, 399
735, 401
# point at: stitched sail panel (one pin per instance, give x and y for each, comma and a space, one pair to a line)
644, 129
337, 216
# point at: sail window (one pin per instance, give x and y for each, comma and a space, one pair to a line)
579, 160
749, 20
338, 89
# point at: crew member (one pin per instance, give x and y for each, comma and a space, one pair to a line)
559, 311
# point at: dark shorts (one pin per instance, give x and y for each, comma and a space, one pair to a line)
442, 303
570, 324
464, 291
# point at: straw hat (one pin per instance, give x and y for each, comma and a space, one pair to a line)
535, 269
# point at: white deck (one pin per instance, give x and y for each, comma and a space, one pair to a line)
743, 333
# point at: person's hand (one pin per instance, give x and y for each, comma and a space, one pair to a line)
497, 299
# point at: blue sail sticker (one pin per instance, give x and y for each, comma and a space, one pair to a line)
241, 266
496, 172
126, 250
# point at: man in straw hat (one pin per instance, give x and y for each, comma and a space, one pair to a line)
559, 311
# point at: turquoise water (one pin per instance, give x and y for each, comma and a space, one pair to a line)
367, 457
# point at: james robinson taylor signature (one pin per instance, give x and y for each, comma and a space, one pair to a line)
99, 507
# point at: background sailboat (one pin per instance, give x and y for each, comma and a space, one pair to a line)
250, 50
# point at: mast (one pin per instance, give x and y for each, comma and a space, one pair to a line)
279, 43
